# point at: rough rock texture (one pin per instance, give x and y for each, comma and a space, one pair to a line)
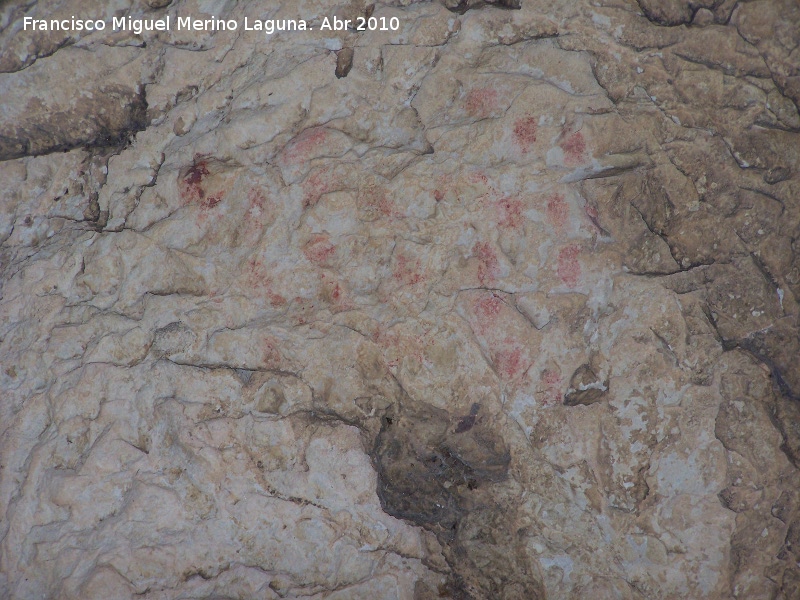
503, 304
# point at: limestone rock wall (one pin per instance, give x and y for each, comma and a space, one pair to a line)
499, 305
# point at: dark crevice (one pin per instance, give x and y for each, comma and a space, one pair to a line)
446, 473
40, 139
464, 5
751, 346
650, 9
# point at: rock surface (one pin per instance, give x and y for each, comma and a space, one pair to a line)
502, 304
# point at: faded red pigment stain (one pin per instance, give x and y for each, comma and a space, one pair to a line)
508, 361
301, 147
374, 202
208, 203
256, 216
506, 210
407, 271
574, 147
255, 273
444, 183
488, 264
478, 177
275, 299
550, 395
334, 294
319, 249
258, 279
303, 309
212, 201
256, 203
569, 269
525, 133
487, 309
481, 102
510, 213
190, 188
197, 171
271, 355
557, 211
316, 185
399, 347
593, 215
382, 336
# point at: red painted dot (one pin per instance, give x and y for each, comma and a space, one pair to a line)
374, 201
569, 269
525, 133
574, 147
510, 212
478, 177
299, 148
488, 265
319, 249
557, 211
275, 299
508, 362
481, 102
212, 201
488, 308
406, 272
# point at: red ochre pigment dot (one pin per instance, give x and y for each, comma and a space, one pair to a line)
525, 133
557, 211
481, 102
569, 269
574, 147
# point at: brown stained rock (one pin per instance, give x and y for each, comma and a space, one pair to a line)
585, 387
757, 474
673, 12
110, 119
462, 6
440, 475
344, 62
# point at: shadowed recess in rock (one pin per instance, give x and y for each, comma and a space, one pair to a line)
439, 471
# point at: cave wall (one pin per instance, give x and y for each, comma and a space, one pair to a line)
501, 304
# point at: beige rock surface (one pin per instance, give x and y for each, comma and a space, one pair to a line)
502, 304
